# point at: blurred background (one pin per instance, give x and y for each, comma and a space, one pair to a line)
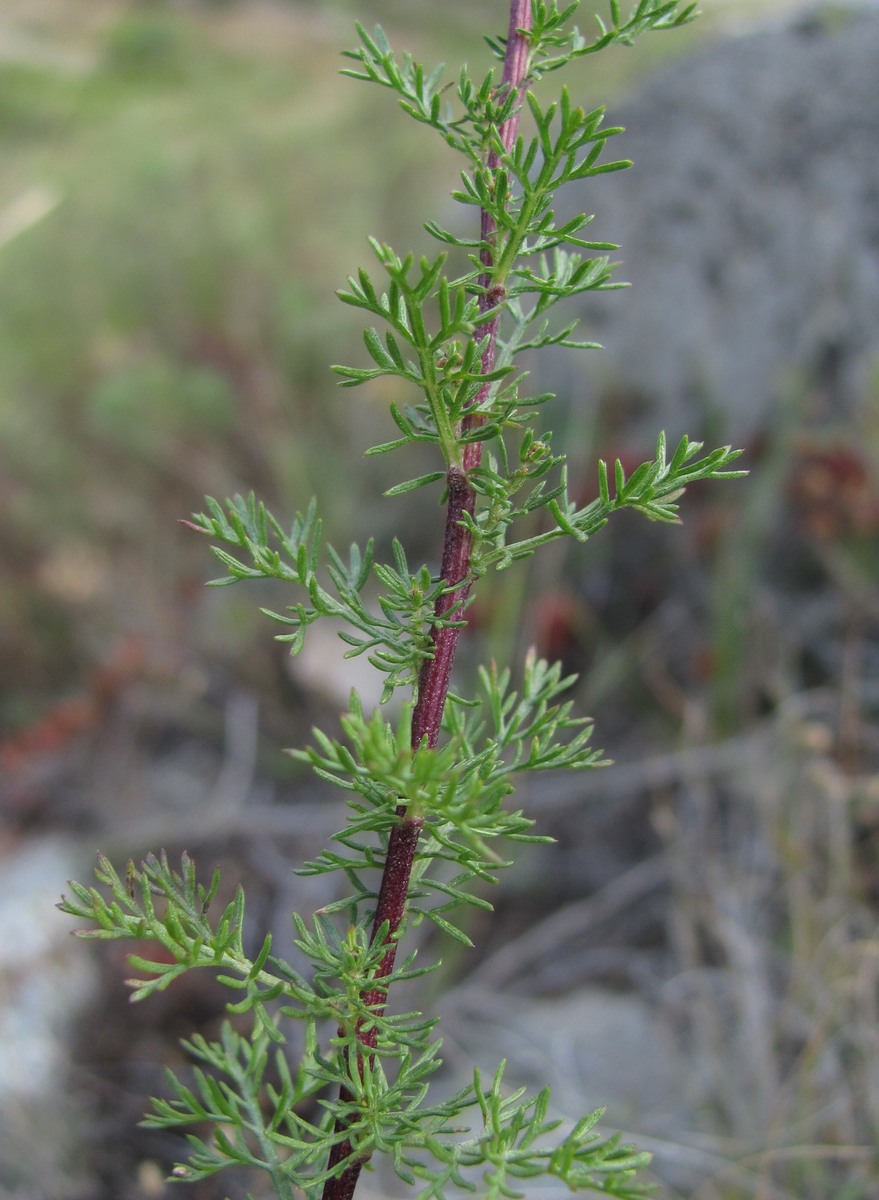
183, 185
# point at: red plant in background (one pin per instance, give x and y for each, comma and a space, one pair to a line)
69, 718
833, 491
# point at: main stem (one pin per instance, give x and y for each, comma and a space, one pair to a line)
433, 681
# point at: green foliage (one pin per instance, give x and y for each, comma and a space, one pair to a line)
459, 789
653, 489
398, 635
265, 1116
511, 1148
361, 1083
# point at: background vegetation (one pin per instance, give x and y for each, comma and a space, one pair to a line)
182, 188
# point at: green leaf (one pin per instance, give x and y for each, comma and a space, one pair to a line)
412, 485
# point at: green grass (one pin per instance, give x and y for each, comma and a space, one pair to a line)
166, 326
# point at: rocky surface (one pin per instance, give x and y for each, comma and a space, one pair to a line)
749, 228
45, 982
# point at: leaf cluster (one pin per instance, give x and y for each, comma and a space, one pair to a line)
266, 1116
512, 1147
263, 1114
522, 266
654, 489
458, 790
482, 105
170, 911
445, 365
558, 43
394, 632
425, 1144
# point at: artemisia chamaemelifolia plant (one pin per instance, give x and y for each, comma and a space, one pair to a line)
428, 789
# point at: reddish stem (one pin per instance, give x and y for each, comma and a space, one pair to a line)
433, 681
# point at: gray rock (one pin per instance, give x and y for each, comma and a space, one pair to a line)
46, 979
749, 227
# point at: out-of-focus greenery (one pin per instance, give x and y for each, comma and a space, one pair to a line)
179, 209
181, 190
182, 187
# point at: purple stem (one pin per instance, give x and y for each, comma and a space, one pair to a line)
433, 681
